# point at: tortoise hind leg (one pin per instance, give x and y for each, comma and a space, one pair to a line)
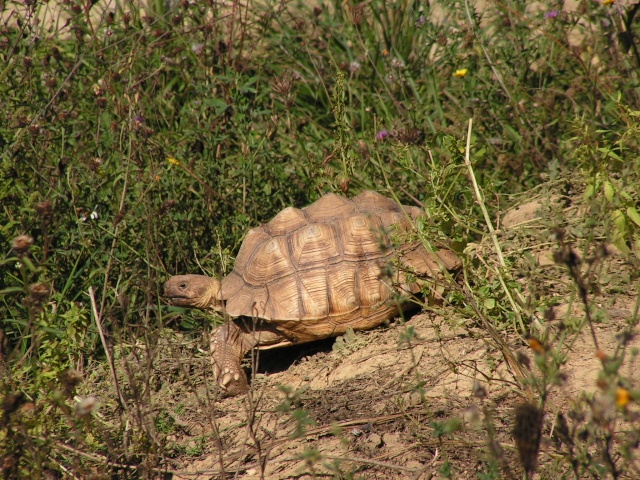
229, 344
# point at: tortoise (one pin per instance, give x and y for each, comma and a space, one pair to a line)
310, 274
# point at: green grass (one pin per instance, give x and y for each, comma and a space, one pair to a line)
137, 147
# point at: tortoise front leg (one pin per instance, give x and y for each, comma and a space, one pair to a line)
229, 344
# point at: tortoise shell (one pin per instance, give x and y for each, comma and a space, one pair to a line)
323, 262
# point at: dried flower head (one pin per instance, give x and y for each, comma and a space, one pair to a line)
197, 49
38, 293
550, 314
602, 408
523, 360
84, 406
21, 244
299, 25
94, 164
479, 391
472, 415
561, 429
43, 209
70, 379
526, 433
358, 14
397, 63
283, 84
411, 136
166, 206
118, 217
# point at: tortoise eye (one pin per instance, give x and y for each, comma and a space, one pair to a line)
183, 285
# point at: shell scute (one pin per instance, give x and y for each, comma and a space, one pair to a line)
329, 207
271, 260
284, 299
370, 201
252, 240
372, 292
286, 221
341, 281
313, 293
249, 301
313, 245
362, 236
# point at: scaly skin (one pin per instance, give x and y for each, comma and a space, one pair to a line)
230, 341
194, 291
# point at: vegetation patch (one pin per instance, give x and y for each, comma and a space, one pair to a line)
140, 141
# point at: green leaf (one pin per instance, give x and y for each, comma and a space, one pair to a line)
489, 303
619, 221
589, 191
512, 134
218, 105
608, 191
11, 290
9, 260
632, 213
247, 87
28, 263
619, 231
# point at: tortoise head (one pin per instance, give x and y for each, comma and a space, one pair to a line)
195, 291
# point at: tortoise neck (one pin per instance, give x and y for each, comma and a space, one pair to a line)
211, 298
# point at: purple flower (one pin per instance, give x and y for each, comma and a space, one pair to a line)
381, 134
551, 14
138, 119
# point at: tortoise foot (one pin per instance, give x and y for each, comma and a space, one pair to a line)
232, 381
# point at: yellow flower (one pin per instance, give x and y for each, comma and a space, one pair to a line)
460, 73
385, 52
173, 161
608, 2
622, 397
